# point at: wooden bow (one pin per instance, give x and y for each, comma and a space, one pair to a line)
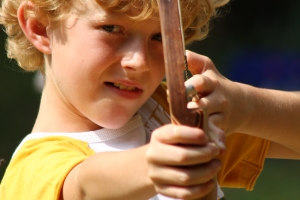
174, 55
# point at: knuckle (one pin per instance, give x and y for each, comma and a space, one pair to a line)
200, 135
215, 81
204, 189
198, 77
149, 155
207, 60
154, 134
176, 134
153, 176
181, 157
184, 179
184, 194
160, 189
207, 154
224, 102
213, 168
200, 80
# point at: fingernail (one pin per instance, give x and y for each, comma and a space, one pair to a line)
221, 145
216, 149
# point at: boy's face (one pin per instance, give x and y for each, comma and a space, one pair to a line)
105, 67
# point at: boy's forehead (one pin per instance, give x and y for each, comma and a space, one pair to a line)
95, 11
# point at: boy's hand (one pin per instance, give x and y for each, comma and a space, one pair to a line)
218, 95
181, 161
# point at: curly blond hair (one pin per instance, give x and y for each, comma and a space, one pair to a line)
196, 15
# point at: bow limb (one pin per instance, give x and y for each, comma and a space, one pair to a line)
174, 55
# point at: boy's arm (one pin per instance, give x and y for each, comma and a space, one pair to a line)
237, 107
279, 151
273, 115
178, 160
110, 175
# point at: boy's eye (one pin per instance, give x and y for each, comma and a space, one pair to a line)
111, 28
157, 37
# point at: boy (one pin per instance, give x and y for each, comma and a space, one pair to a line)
102, 60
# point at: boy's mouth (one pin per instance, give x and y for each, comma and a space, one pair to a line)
123, 87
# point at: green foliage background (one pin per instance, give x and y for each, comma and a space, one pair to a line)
259, 24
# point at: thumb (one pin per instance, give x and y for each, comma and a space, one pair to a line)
217, 136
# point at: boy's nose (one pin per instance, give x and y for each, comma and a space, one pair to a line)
136, 58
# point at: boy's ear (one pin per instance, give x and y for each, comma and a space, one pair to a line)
34, 30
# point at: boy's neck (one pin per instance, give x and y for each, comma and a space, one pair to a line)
54, 118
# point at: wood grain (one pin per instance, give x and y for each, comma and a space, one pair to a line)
174, 53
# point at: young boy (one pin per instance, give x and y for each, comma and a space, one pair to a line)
103, 97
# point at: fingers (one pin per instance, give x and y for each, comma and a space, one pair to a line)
198, 63
213, 106
185, 176
210, 92
193, 192
217, 136
207, 82
181, 161
181, 155
186, 182
218, 120
202, 84
172, 134
217, 94
212, 97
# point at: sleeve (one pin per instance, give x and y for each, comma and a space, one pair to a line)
243, 161
39, 168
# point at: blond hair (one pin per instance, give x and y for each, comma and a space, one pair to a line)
196, 15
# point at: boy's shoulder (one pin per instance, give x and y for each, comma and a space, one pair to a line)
33, 162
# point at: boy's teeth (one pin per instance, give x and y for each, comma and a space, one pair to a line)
124, 87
